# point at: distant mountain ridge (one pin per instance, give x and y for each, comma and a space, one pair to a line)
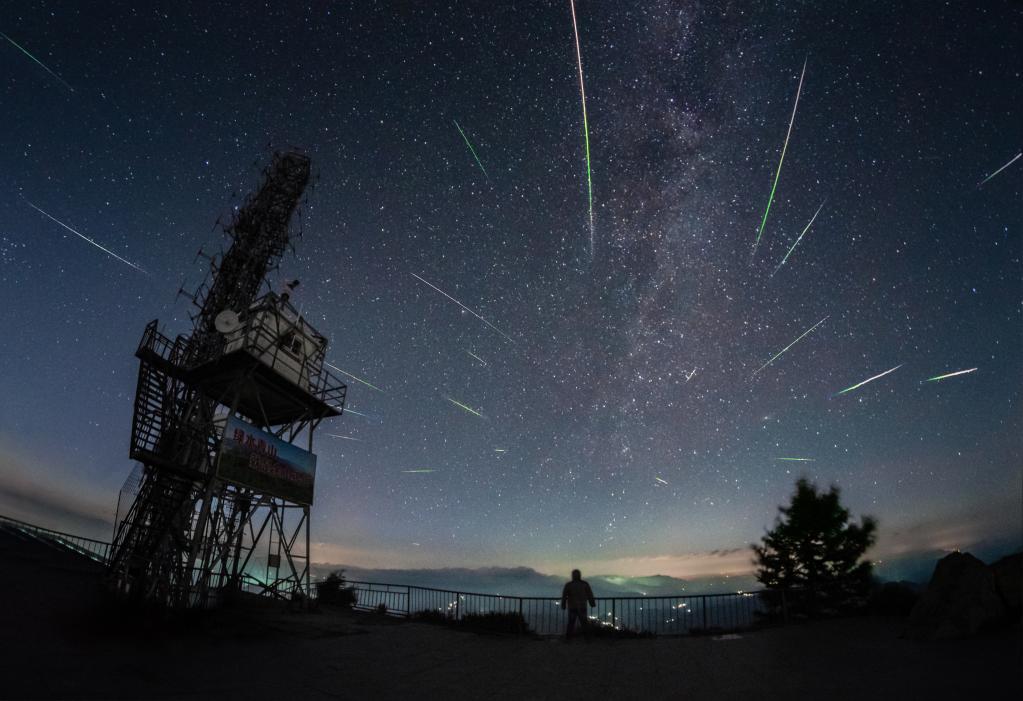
525, 581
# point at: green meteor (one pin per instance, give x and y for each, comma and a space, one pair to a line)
778, 355
43, 65
799, 239
463, 406
417, 472
797, 459
346, 374
586, 123
951, 374
472, 150
869, 379
784, 148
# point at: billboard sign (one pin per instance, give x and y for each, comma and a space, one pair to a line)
262, 461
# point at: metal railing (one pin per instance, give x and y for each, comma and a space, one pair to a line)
98, 550
655, 615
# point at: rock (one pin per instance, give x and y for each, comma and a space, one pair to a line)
1008, 574
959, 601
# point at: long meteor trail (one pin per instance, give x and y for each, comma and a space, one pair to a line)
784, 148
801, 337
472, 150
346, 374
951, 374
869, 379
41, 64
797, 459
814, 217
85, 238
463, 406
464, 307
1014, 159
586, 123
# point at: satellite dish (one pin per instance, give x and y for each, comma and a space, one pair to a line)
227, 322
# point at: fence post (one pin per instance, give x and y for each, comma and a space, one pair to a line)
704, 613
614, 614
408, 601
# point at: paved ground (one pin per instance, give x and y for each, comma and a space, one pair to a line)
59, 641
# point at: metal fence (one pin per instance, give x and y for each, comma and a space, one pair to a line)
97, 550
657, 615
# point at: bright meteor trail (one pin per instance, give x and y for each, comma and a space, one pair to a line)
951, 374
1014, 159
799, 239
43, 65
463, 406
335, 367
472, 150
86, 238
870, 379
797, 459
586, 123
803, 335
784, 148
464, 307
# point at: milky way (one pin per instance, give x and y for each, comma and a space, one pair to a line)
618, 412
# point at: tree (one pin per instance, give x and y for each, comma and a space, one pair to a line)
813, 546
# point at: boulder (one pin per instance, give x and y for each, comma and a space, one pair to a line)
959, 601
1008, 574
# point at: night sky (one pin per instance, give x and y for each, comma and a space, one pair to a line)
623, 424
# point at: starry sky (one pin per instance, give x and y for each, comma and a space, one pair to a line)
626, 421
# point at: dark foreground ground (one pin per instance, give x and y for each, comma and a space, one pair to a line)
59, 640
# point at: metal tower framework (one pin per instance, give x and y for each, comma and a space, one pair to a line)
193, 530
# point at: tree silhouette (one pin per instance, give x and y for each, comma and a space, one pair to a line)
814, 547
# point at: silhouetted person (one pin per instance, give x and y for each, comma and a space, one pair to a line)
575, 595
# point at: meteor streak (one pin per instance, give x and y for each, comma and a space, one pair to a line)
86, 238
586, 123
43, 65
353, 411
790, 345
784, 148
476, 357
660, 480
870, 379
472, 150
346, 374
347, 438
416, 472
951, 374
797, 459
799, 239
464, 307
463, 406
1014, 159
500, 450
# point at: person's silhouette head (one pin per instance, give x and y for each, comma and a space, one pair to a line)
576, 575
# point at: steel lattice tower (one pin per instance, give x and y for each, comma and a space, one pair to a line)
248, 381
